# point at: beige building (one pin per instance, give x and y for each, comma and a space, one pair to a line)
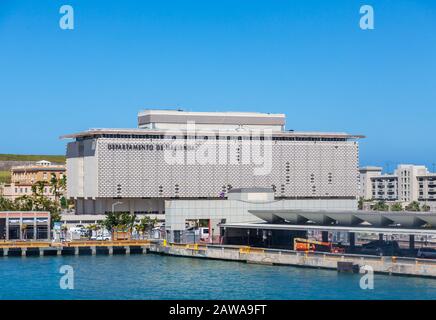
408, 183
24, 177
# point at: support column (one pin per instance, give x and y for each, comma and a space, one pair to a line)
127, 249
110, 250
352, 237
21, 228
380, 236
34, 229
412, 242
144, 249
94, 250
41, 252
325, 236
5, 252
59, 251
7, 228
23, 252
76, 251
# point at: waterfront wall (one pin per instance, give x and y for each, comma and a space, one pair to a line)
385, 265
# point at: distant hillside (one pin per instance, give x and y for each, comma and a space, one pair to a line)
32, 158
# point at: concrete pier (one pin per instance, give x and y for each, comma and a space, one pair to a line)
385, 265
78, 248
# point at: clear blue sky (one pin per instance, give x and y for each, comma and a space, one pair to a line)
306, 58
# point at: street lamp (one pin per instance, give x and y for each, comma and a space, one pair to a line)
115, 204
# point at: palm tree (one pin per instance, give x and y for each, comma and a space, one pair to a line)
425, 208
380, 206
397, 207
413, 206
57, 186
91, 228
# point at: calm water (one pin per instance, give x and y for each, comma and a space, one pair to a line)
161, 277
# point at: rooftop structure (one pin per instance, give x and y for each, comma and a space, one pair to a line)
177, 119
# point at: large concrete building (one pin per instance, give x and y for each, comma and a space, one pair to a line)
184, 155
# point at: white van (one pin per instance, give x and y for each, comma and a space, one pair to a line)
204, 234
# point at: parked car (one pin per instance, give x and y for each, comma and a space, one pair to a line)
381, 248
103, 238
426, 253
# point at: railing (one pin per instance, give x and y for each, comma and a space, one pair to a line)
12, 244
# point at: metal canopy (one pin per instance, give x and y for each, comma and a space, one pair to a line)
374, 219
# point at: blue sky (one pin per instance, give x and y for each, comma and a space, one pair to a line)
305, 58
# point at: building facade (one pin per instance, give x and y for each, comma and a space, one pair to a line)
17, 225
24, 177
235, 209
427, 189
169, 157
407, 184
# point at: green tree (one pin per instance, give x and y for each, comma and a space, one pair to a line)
91, 228
425, 208
360, 204
119, 221
413, 206
57, 186
6, 204
397, 207
380, 206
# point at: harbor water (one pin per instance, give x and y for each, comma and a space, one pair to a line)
165, 277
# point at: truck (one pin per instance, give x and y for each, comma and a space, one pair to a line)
307, 245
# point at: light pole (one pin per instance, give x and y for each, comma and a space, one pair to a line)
115, 204
113, 211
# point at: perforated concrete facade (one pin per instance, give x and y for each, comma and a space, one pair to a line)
102, 169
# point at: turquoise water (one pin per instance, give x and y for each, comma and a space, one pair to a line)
162, 277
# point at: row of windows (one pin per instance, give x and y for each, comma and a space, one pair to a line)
160, 137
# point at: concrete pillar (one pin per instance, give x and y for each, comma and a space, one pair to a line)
21, 229
94, 250
23, 252
144, 249
76, 251
127, 249
111, 250
7, 229
41, 252
412, 242
352, 237
325, 236
34, 229
132, 206
5, 252
380, 236
59, 251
